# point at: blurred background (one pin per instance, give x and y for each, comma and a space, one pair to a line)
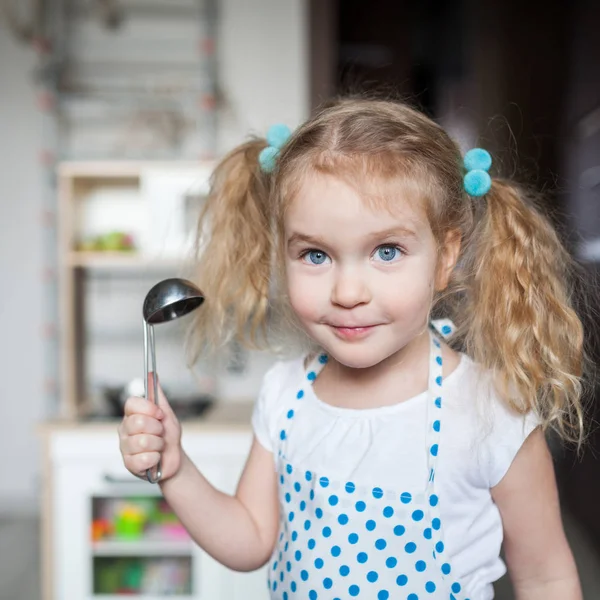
112, 114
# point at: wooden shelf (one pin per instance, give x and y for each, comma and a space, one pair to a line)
120, 260
143, 547
143, 597
109, 169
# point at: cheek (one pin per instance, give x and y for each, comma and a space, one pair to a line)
408, 305
411, 295
303, 296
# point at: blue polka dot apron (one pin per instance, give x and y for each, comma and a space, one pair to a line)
342, 540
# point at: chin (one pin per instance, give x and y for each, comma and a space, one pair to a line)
357, 363
356, 356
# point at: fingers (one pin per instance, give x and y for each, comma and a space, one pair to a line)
141, 406
141, 443
138, 463
139, 432
139, 423
143, 429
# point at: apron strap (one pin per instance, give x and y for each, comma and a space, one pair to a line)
445, 327
311, 372
435, 397
315, 365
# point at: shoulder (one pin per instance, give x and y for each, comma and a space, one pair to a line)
281, 380
472, 392
283, 373
470, 387
483, 422
278, 383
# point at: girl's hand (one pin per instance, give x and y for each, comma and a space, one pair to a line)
148, 433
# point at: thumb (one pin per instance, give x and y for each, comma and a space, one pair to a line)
163, 403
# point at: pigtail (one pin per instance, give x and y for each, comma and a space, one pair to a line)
234, 242
518, 315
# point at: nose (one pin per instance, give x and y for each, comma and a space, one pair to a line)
350, 288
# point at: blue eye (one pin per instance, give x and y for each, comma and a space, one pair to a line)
388, 253
315, 257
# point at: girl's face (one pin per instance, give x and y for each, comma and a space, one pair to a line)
361, 280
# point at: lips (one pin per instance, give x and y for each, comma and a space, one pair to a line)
353, 332
350, 325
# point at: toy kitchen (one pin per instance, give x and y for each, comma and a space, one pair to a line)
106, 535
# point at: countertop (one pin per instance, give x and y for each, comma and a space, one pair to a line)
226, 416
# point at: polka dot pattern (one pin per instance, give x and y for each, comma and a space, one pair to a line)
362, 542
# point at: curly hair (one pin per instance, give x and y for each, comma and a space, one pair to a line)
510, 294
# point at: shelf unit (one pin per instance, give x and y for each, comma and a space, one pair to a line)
138, 546
85, 533
142, 187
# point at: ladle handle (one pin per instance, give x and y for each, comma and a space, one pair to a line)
149, 345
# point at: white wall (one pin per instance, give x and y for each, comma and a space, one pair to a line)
263, 70
263, 66
21, 365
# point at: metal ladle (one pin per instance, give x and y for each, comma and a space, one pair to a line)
166, 301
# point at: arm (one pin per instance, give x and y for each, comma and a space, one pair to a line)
239, 531
539, 560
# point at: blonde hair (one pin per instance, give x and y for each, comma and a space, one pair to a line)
509, 295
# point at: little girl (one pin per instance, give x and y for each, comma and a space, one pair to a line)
406, 443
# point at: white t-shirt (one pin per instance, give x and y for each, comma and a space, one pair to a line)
479, 439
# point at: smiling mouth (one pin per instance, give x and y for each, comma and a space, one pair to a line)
352, 332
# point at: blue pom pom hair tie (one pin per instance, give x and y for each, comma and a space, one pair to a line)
477, 181
277, 137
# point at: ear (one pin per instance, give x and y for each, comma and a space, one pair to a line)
447, 260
